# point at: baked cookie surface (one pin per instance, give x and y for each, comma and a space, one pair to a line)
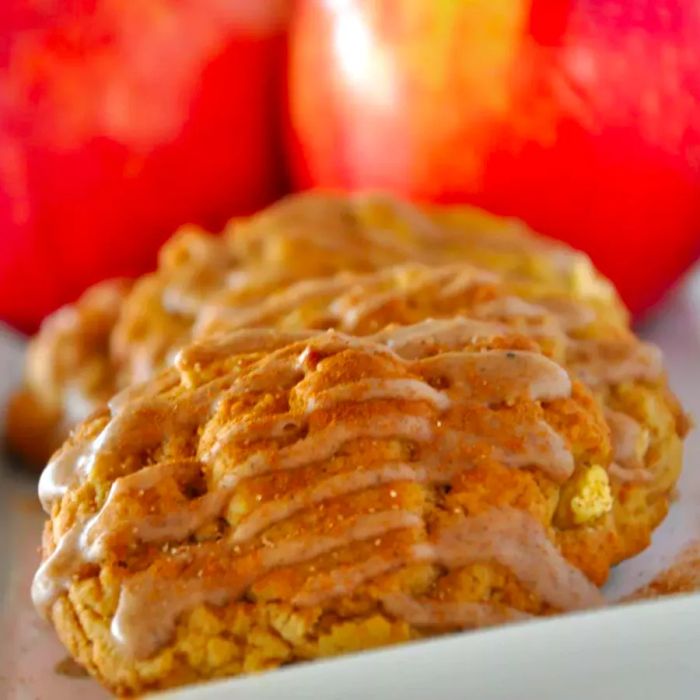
277, 496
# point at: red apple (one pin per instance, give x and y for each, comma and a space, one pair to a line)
121, 120
581, 117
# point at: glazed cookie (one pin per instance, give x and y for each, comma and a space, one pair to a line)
280, 496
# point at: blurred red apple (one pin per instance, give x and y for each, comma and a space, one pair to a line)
581, 117
119, 121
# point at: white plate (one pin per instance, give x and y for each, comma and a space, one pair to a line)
632, 652
647, 650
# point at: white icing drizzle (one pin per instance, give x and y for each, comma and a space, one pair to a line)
144, 425
177, 524
83, 543
267, 427
252, 340
572, 315
640, 476
349, 313
374, 388
447, 614
500, 375
258, 313
62, 470
324, 443
553, 315
598, 362
540, 446
346, 579
420, 339
459, 279
509, 306
166, 380
267, 514
516, 540
630, 441
55, 574
353, 308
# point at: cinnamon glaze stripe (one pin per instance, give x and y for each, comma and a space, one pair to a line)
447, 614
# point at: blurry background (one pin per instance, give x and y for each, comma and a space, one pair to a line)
120, 120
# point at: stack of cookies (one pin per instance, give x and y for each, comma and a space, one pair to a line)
344, 423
